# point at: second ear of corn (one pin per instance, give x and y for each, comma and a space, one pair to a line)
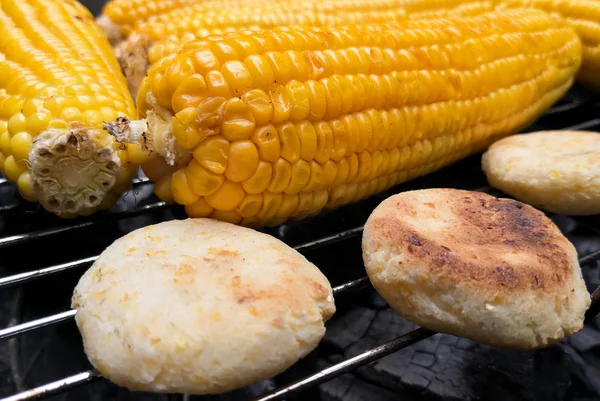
258, 129
165, 33
59, 80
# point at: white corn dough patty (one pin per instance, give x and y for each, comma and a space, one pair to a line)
199, 306
557, 171
472, 265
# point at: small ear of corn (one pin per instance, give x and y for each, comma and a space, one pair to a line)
584, 17
282, 124
58, 82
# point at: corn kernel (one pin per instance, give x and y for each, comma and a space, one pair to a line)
271, 203
250, 206
162, 189
340, 146
92, 117
364, 169
239, 121
185, 132
199, 209
259, 181
70, 114
227, 197
17, 123
25, 187
300, 177
266, 140
20, 145
137, 155
13, 169
201, 181
353, 170
290, 142
343, 170
261, 71
237, 76
217, 85
190, 93
324, 142
213, 154
229, 216
318, 100
243, 161
305, 202
260, 105
182, 193
282, 174
288, 206
281, 101
5, 143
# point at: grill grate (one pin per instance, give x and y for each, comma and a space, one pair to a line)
22, 225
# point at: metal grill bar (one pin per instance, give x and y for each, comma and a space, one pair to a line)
21, 238
56, 387
301, 385
349, 364
48, 271
36, 324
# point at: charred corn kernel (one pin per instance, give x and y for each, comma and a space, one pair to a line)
259, 181
182, 192
243, 161
59, 81
201, 181
431, 92
227, 197
250, 206
199, 209
213, 154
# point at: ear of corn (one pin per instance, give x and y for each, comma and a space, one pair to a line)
584, 17
166, 33
58, 81
258, 129
120, 17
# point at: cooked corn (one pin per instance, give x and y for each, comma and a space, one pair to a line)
59, 80
257, 129
167, 33
584, 17
120, 17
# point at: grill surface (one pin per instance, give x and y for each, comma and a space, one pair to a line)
42, 257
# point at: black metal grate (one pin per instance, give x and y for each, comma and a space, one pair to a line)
32, 237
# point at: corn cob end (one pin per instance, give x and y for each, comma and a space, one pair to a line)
154, 135
110, 29
133, 57
74, 170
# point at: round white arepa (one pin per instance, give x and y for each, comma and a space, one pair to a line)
199, 306
556, 171
465, 263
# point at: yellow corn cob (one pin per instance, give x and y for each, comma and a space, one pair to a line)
59, 80
165, 34
257, 129
584, 17
120, 17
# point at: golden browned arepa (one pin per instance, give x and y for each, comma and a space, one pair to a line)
472, 265
200, 307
